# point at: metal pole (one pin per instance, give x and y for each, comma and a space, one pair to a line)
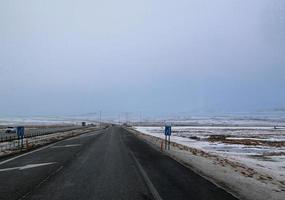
100, 118
127, 117
21, 142
18, 141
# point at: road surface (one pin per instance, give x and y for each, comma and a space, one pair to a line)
105, 164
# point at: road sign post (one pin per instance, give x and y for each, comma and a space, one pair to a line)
169, 142
167, 132
165, 144
20, 132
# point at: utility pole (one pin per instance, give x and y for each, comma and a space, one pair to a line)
127, 117
100, 118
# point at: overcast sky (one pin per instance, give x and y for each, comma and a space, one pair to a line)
65, 57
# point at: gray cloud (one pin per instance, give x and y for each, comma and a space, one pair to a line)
72, 57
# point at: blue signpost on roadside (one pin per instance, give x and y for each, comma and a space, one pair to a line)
20, 132
167, 132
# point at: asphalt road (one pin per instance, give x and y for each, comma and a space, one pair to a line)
106, 164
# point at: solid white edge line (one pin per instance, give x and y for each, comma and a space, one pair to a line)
148, 182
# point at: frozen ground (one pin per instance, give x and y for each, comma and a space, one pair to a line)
266, 119
255, 152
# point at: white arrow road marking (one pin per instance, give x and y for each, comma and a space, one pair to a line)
68, 145
26, 166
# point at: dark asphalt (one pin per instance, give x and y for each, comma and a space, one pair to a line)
107, 164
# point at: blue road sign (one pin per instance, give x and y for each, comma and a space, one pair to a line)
167, 130
20, 131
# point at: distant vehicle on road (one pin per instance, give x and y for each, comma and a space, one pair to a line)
10, 130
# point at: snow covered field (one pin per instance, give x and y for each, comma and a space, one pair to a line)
257, 153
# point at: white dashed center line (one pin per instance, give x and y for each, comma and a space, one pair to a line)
66, 146
26, 167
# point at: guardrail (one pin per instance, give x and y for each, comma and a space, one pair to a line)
36, 133
14, 146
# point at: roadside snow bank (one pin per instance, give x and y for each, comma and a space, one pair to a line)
240, 178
